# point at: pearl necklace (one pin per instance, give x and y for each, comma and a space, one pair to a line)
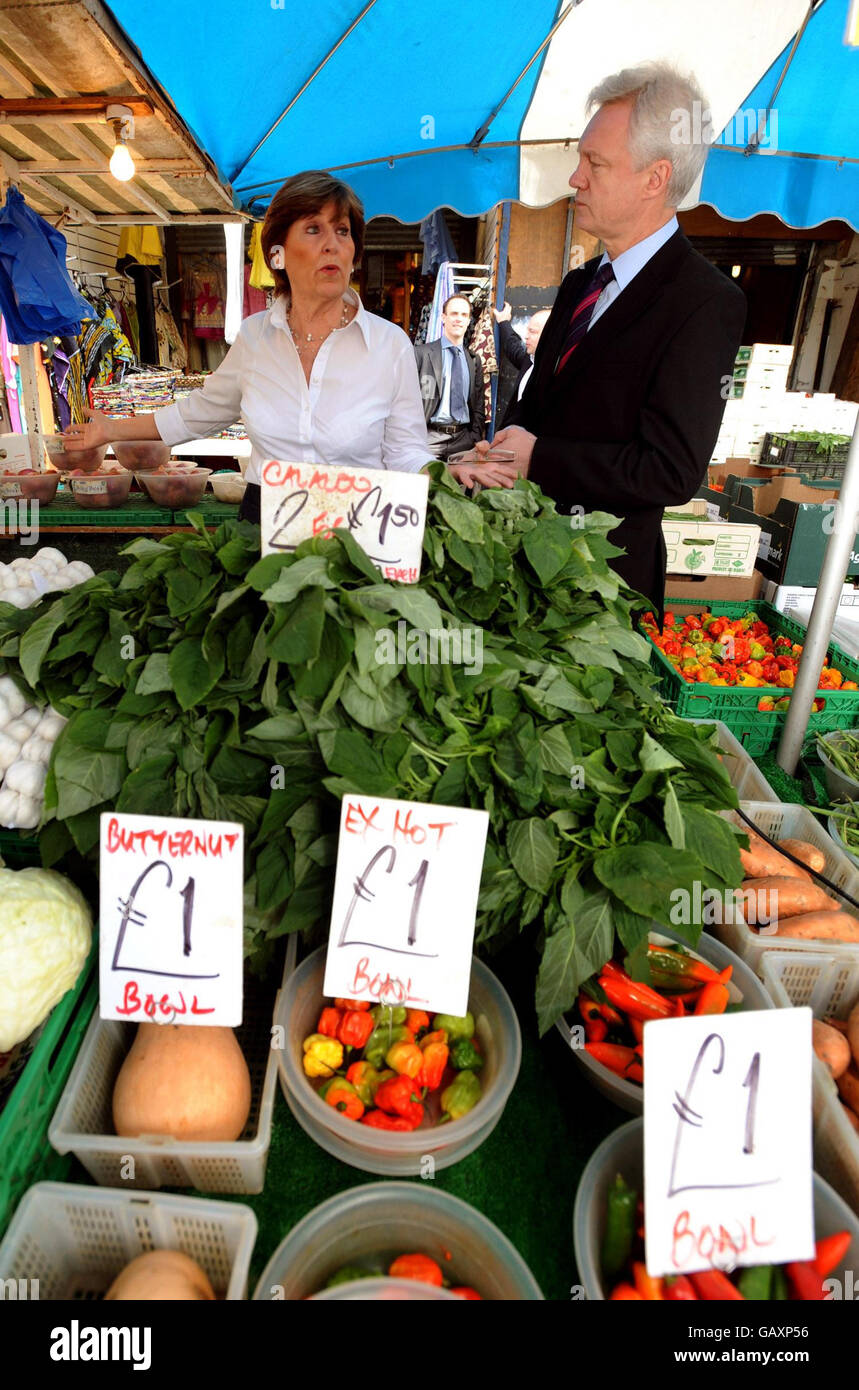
308, 338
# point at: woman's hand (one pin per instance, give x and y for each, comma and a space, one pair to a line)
92, 435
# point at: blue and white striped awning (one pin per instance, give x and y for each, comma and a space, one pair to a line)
468, 103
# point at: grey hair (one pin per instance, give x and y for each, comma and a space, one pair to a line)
669, 120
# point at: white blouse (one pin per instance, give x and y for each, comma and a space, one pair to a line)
362, 406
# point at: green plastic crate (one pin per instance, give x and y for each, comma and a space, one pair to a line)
737, 707
26, 1156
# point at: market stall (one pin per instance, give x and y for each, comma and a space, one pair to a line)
345, 873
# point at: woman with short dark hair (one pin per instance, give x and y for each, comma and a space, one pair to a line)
315, 378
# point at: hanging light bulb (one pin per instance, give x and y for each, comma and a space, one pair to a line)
121, 162
736, 270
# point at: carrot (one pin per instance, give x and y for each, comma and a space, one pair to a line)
853, 1032
820, 926
767, 899
810, 855
848, 1088
831, 1047
760, 860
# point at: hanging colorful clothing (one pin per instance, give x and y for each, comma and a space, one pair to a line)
482, 344
141, 244
255, 301
261, 277
208, 305
10, 378
171, 349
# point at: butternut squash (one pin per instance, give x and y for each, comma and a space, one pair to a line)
161, 1275
186, 1082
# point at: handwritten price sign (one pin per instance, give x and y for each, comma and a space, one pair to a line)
385, 511
405, 896
727, 1141
171, 920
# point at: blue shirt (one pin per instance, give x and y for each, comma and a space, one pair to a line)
627, 265
443, 415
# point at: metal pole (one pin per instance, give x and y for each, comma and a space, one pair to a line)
832, 575
501, 252
30, 403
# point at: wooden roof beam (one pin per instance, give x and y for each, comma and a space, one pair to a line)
114, 40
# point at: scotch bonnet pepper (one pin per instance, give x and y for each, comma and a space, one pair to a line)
455, 1028
322, 1056
460, 1096
464, 1056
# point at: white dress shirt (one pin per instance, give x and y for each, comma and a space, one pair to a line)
627, 265
362, 407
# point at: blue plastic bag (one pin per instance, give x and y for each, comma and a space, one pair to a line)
37, 295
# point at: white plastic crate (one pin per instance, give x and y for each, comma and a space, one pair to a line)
782, 821
75, 1240
742, 769
830, 988
83, 1120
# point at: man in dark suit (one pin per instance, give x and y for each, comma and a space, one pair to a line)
625, 401
519, 354
451, 380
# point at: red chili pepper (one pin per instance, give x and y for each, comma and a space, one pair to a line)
623, 1061
678, 1289
360, 1005
355, 1028
329, 1022
713, 1286
637, 1028
806, 1282
419, 1267
377, 1119
463, 1291
830, 1251
596, 1031
637, 1000
713, 999
649, 1288
625, 1293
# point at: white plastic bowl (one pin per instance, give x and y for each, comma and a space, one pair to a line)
228, 487
839, 785
744, 987
832, 827
623, 1152
382, 1151
379, 1221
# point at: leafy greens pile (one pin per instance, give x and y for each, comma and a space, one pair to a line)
207, 682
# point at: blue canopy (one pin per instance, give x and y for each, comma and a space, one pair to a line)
807, 167
467, 105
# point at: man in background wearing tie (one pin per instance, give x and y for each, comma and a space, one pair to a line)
451, 380
624, 404
519, 354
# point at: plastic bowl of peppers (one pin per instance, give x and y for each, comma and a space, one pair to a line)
608, 1234
396, 1240
740, 652
605, 1031
383, 1087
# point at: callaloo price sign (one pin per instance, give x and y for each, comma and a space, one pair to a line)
727, 1141
405, 898
384, 511
171, 913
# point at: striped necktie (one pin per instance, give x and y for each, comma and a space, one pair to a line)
581, 317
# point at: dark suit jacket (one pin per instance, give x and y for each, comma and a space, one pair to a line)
430, 373
518, 355
629, 424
